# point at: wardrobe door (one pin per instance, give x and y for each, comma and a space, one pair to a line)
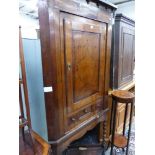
126, 57
83, 45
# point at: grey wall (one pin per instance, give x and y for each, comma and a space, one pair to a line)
32, 55
127, 9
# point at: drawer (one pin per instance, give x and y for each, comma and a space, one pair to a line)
80, 116
77, 118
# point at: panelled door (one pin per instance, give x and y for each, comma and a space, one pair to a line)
127, 54
83, 43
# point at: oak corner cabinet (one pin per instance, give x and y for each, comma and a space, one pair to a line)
122, 63
76, 47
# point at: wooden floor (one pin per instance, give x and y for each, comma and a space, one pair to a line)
40, 146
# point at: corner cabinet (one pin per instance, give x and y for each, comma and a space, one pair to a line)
123, 51
122, 63
76, 48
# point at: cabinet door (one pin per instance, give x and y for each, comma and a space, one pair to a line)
83, 44
126, 58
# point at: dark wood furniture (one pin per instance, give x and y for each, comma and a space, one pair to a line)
76, 46
120, 140
82, 151
122, 63
123, 51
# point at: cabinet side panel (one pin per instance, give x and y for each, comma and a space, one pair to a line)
115, 54
48, 49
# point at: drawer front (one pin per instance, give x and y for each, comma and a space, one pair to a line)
76, 119
79, 117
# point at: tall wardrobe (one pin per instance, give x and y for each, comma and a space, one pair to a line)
76, 47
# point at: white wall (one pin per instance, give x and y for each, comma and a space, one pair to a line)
128, 9
28, 26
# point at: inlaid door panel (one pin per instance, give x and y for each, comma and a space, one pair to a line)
84, 43
87, 83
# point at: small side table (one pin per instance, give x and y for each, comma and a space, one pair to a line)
118, 140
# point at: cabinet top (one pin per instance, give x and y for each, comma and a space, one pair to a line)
122, 17
104, 3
